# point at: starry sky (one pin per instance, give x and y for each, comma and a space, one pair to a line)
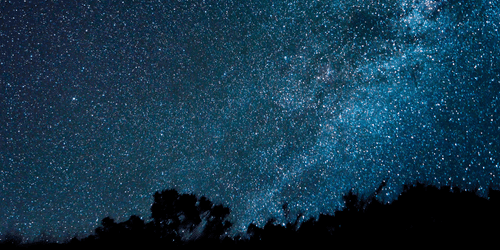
251, 103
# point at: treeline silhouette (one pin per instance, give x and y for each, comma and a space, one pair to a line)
420, 214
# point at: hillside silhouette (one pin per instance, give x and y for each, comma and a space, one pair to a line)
421, 214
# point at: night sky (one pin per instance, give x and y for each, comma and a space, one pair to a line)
250, 103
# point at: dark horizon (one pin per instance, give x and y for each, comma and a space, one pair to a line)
427, 213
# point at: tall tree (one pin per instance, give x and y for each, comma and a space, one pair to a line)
185, 217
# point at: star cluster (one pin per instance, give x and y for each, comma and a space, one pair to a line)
253, 104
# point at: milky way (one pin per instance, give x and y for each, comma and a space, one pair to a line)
252, 104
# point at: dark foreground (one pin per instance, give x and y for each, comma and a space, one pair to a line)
421, 215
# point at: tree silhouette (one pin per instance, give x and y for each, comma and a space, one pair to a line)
185, 217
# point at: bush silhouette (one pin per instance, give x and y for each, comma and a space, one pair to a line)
132, 231
11, 240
